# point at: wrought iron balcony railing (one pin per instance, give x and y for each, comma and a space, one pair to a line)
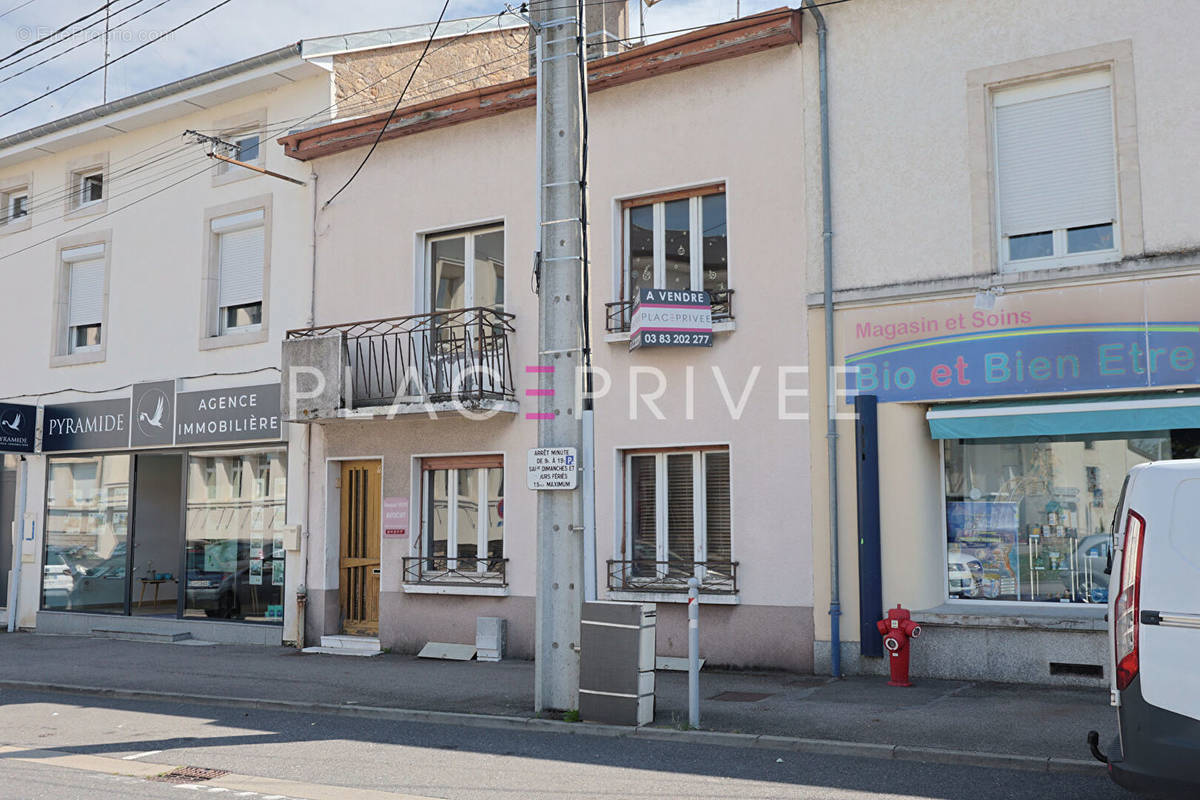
619, 315
716, 577
457, 571
462, 355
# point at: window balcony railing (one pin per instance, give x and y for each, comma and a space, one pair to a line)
461, 355
619, 315
455, 571
716, 577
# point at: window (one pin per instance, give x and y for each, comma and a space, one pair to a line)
84, 272
89, 188
1056, 172
675, 241
1027, 519
451, 284
240, 248
677, 520
15, 205
245, 149
462, 522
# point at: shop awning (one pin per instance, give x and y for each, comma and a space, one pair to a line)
1065, 417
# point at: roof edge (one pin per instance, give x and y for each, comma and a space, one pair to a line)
710, 44
150, 95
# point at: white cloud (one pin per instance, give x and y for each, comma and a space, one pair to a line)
241, 29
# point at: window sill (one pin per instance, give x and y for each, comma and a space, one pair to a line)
674, 597
23, 224
1060, 262
728, 326
74, 359
456, 589
235, 173
233, 340
992, 614
91, 209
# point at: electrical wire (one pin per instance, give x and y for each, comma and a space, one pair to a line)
16, 8
121, 57
399, 100
78, 45
38, 395
585, 300
53, 34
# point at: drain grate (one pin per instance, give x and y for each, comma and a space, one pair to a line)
740, 697
189, 775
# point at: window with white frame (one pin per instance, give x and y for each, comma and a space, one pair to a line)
1056, 172
677, 241
462, 519
465, 269
239, 249
87, 187
677, 517
83, 272
15, 204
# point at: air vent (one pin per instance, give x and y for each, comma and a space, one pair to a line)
1077, 670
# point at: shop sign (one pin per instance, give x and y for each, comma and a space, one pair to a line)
552, 468
94, 425
153, 423
1042, 359
395, 516
228, 415
667, 317
17, 425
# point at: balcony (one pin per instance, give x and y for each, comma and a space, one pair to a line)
671, 577
439, 571
619, 315
419, 363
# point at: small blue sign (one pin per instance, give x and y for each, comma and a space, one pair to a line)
1039, 360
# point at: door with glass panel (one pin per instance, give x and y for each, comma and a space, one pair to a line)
359, 555
465, 281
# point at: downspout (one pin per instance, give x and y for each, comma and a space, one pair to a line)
18, 552
831, 435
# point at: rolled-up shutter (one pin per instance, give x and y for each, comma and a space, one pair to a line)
85, 285
1055, 157
241, 250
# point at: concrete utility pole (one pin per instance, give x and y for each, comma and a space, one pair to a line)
560, 581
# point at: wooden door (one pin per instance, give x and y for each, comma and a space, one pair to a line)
359, 559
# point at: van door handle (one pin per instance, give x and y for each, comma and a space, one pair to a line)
1151, 618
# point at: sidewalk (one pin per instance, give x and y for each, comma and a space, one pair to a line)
992, 718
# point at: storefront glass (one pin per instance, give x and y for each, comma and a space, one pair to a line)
236, 507
1028, 519
87, 526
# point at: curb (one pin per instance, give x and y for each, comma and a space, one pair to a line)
830, 747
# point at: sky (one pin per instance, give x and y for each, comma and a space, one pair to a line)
239, 29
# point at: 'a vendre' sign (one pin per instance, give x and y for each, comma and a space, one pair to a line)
672, 318
1041, 359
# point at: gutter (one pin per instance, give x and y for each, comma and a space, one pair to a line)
831, 434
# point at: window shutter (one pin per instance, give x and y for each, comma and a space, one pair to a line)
86, 288
681, 517
643, 495
716, 505
240, 271
1055, 162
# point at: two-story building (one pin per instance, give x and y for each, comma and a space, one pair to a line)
1015, 271
148, 287
414, 375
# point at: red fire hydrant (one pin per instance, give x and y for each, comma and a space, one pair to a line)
897, 629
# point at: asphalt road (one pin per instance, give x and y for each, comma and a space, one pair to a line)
93, 741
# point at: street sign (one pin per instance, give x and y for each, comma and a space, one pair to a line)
552, 468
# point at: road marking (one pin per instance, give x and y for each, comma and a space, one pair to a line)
239, 785
141, 755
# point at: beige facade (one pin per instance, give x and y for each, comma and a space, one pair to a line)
651, 135
915, 210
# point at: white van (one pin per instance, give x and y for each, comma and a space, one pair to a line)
1154, 631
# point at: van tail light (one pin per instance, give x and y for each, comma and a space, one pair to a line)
1129, 600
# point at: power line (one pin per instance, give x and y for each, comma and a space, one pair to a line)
53, 34
16, 8
115, 60
73, 47
399, 100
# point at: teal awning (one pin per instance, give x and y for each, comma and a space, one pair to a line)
1065, 417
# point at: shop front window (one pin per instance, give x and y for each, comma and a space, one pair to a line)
87, 527
236, 509
1028, 519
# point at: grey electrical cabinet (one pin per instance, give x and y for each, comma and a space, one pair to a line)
616, 670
